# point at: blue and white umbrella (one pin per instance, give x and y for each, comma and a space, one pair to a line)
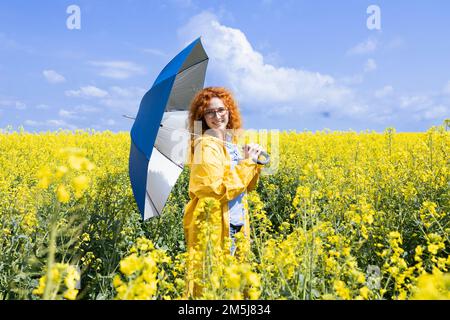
158, 148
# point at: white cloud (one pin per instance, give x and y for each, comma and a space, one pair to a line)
395, 43
110, 122
10, 44
384, 92
42, 107
130, 92
53, 77
368, 46
32, 123
67, 114
447, 88
86, 109
281, 110
19, 105
256, 82
434, 113
118, 69
54, 123
87, 92
424, 107
352, 80
155, 52
124, 99
60, 124
416, 102
370, 65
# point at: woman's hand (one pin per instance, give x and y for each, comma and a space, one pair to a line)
252, 151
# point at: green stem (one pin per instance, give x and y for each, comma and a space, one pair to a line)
50, 260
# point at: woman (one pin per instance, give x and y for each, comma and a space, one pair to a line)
217, 170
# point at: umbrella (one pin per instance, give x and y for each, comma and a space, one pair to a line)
158, 151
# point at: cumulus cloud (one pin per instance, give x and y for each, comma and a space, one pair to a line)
287, 92
424, 107
53, 77
32, 123
124, 99
67, 114
52, 123
352, 80
110, 122
155, 52
416, 102
257, 82
367, 46
438, 112
384, 92
447, 88
117, 69
87, 92
42, 107
370, 65
19, 105
86, 109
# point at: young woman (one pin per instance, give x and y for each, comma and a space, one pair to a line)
217, 169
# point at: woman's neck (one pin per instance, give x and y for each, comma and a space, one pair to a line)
216, 133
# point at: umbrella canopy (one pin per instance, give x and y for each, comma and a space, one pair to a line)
158, 150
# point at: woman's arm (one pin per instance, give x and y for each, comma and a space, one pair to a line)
252, 185
211, 175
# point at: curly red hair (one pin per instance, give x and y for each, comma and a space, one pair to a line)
202, 100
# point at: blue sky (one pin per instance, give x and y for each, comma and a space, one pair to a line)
292, 64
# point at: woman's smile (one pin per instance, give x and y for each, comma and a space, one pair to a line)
216, 114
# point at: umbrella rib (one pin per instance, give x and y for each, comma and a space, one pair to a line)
181, 167
192, 66
152, 203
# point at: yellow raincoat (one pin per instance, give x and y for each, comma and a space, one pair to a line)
211, 176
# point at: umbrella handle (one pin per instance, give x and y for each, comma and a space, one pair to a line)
266, 159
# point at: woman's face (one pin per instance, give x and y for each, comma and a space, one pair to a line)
216, 114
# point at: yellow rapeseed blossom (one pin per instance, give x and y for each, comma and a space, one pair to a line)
62, 194
435, 286
339, 203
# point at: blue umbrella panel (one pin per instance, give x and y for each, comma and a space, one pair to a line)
158, 150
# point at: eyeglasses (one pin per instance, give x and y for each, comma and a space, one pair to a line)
220, 112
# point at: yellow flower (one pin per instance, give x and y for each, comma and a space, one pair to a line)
433, 248
130, 264
44, 175
61, 171
71, 294
254, 279
40, 289
62, 194
364, 292
80, 184
117, 282
434, 286
75, 162
341, 289
394, 235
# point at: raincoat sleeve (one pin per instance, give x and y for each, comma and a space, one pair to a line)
252, 185
211, 175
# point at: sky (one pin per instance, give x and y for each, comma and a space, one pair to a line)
291, 64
